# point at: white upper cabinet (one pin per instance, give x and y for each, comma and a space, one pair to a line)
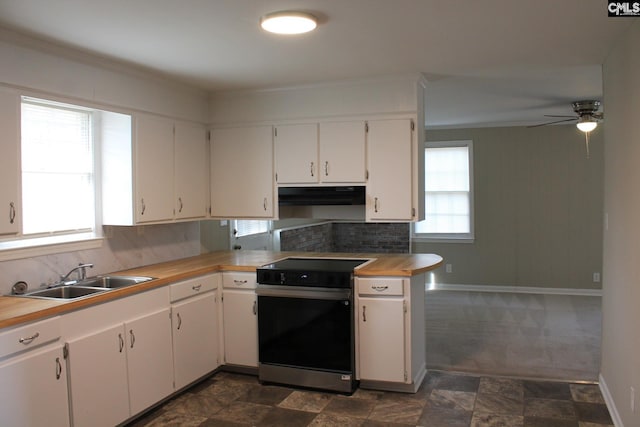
296, 152
9, 163
191, 171
342, 152
390, 189
331, 152
153, 169
242, 172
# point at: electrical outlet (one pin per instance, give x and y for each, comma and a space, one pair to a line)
632, 395
448, 268
596, 277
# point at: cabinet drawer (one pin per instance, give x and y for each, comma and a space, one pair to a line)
385, 286
239, 280
29, 336
192, 287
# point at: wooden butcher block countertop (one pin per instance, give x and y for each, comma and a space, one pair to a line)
15, 310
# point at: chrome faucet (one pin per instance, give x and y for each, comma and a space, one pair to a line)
81, 269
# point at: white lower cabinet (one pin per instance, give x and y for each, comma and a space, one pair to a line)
239, 307
149, 359
390, 342
195, 326
33, 389
382, 346
120, 362
98, 378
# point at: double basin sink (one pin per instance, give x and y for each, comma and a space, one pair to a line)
86, 287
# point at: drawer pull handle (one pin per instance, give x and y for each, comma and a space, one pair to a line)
240, 282
121, 342
196, 288
179, 321
380, 288
29, 340
133, 337
58, 368
144, 207
364, 313
311, 168
12, 213
255, 311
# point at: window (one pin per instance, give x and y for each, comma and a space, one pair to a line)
448, 192
248, 227
251, 234
57, 169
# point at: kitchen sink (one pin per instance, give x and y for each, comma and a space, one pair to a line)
112, 282
64, 292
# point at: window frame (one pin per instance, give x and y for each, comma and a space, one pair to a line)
20, 245
451, 237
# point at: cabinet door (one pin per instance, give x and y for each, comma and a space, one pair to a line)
195, 338
296, 150
242, 172
390, 189
381, 339
154, 169
240, 327
36, 378
9, 162
149, 359
98, 378
191, 171
342, 148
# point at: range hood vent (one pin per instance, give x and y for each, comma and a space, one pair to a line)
321, 196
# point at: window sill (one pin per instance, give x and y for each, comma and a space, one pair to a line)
447, 239
28, 248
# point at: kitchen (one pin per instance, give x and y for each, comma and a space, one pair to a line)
74, 76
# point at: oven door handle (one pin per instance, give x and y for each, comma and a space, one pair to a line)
288, 292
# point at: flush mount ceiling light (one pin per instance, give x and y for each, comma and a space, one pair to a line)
288, 22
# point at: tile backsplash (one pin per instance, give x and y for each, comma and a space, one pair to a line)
348, 237
126, 247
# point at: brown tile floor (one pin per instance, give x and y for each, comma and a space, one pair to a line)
444, 399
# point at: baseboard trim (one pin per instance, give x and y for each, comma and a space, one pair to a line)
514, 289
608, 399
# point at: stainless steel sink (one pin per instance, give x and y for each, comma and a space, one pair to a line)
64, 292
112, 282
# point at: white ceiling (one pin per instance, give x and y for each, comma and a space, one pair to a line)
488, 62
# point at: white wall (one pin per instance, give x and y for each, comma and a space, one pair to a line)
621, 287
50, 69
394, 94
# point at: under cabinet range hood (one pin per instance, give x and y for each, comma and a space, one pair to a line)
321, 196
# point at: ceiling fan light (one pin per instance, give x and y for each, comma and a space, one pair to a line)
288, 22
587, 125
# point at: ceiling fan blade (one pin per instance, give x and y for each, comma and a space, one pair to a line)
552, 123
549, 115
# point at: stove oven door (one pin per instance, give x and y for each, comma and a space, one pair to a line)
308, 329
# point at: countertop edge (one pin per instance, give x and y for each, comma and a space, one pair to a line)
407, 265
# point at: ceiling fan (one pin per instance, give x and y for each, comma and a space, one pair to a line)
587, 118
